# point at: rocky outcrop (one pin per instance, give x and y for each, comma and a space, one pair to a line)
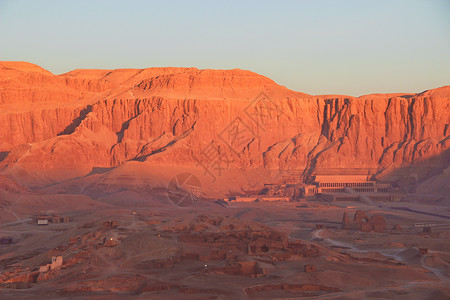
103, 118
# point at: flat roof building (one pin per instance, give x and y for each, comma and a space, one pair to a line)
347, 188
42, 221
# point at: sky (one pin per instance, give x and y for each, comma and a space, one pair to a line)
317, 47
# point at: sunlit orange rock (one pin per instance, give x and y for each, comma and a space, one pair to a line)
71, 123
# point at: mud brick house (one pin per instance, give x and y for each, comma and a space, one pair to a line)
361, 221
310, 268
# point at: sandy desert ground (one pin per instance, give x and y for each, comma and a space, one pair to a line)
235, 251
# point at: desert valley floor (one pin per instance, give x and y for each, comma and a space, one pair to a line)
212, 251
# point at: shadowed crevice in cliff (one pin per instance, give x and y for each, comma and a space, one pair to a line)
3, 155
334, 111
411, 119
99, 170
142, 158
386, 151
121, 133
325, 126
182, 136
124, 127
77, 121
311, 168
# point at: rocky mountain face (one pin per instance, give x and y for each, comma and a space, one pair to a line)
209, 120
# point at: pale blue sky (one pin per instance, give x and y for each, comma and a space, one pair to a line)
317, 47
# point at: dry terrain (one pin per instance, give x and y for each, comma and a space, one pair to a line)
136, 172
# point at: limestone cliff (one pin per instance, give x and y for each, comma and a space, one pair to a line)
198, 118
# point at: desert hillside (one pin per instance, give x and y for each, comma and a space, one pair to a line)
60, 127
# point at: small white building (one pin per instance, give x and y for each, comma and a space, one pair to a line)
42, 221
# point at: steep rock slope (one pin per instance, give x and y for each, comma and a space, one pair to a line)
209, 120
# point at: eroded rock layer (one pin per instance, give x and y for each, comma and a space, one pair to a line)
89, 119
